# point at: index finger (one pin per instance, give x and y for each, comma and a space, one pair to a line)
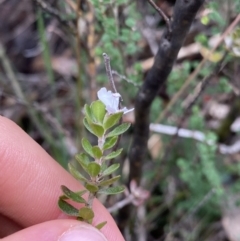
30, 182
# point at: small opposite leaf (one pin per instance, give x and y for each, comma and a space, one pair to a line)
86, 213
67, 208
119, 130
98, 110
88, 112
112, 190
96, 128
87, 146
111, 120
91, 187
76, 173
101, 225
111, 169
113, 154
83, 160
63, 197
93, 169
109, 181
97, 152
103, 167
72, 195
86, 124
110, 142
82, 192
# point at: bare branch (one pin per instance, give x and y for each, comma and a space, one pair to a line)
184, 14
164, 16
109, 71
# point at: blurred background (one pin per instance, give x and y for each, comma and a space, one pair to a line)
51, 64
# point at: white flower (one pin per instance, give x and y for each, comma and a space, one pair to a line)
111, 101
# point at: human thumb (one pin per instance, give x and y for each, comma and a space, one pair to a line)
58, 230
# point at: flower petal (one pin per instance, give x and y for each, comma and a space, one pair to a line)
111, 101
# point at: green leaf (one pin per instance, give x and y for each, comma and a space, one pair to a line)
113, 154
83, 160
86, 213
103, 167
96, 129
91, 187
119, 130
111, 120
82, 192
111, 169
130, 22
112, 190
97, 152
93, 169
110, 142
67, 208
101, 225
98, 110
63, 197
109, 181
88, 112
87, 146
72, 195
76, 173
85, 122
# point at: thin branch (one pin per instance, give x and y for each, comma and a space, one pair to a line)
184, 14
121, 204
114, 72
109, 71
164, 16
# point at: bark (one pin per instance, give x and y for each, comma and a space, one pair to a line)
169, 46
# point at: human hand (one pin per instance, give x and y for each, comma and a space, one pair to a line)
30, 183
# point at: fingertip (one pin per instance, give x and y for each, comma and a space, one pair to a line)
58, 230
31, 181
84, 232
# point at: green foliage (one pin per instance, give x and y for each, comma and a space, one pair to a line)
111, 120
101, 225
76, 173
98, 122
109, 182
67, 208
178, 76
112, 155
83, 160
98, 110
202, 176
110, 169
116, 37
196, 120
112, 190
93, 169
76, 197
86, 213
87, 147
119, 130
110, 142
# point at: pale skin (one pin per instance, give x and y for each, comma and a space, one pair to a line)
30, 183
